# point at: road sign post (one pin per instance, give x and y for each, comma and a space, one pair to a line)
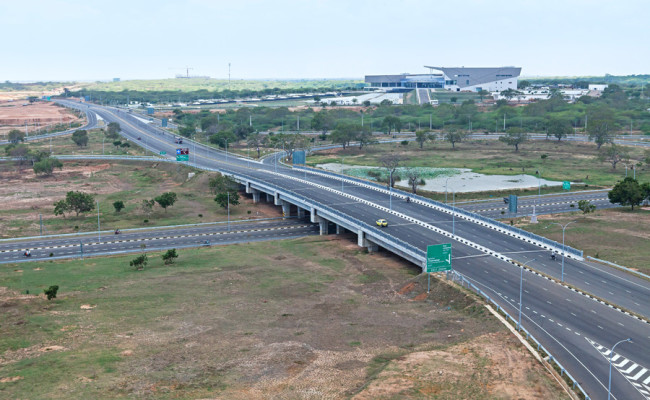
183, 154
566, 185
438, 260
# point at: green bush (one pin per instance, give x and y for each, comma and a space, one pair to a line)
51, 292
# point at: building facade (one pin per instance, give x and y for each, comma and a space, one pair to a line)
450, 78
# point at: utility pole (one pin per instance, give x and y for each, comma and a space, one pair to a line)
504, 122
298, 122
228, 76
430, 121
40, 217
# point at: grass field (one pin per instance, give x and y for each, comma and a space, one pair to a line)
25, 196
301, 319
617, 235
97, 144
188, 85
571, 161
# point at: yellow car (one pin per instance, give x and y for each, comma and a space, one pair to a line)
382, 222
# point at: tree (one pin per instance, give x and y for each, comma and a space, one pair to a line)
414, 178
46, 166
51, 292
118, 205
614, 154
225, 189
626, 193
364, 136
166, 199
454, 136
510, 94
322, 121
391, 122
645, 189
222, 137
601, 126
169, 256
344, 133
222, 199
390, 161
187, 131
61, 207
586, 206
76, 201
422, 136
113, 129
147, 206
80, 137
255, 140
559, 128
139, 262
15, 136
514, 137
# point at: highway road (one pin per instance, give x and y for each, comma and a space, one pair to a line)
545, 204
130, 241
565, 321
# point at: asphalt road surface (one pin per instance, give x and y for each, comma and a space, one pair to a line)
566, 322
132, 241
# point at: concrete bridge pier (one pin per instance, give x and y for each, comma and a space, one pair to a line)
276, 199
269, 197
312, 216
339, 229
301, 213
256, 195
286, 209
323, 224
363, 242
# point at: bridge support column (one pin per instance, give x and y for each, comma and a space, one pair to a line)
363, 242
339, 229
286, 209
249, 189
256, 195
312, 216
323, 225
276, 199
301, 213
269, 197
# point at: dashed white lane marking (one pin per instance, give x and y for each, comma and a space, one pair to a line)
158, 238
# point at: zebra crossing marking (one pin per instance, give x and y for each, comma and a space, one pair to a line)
632, 373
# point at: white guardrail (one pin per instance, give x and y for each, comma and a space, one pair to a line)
470, 216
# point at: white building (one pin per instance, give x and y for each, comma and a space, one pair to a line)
598, 88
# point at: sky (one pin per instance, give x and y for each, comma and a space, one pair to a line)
305, 39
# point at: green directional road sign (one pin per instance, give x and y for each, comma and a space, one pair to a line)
438, 257
183, 157
566, 185
162, 153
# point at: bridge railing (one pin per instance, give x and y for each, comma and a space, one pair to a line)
457, 276
511, 230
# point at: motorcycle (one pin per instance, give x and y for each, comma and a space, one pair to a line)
27, 253
117, 232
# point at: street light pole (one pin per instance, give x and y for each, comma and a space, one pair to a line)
342, 158
521, 287
99, 232
453, 214
228, 211
563, 248
446, 180
609, 385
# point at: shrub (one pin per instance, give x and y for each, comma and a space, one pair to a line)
169, 257
51, 292
139, 262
